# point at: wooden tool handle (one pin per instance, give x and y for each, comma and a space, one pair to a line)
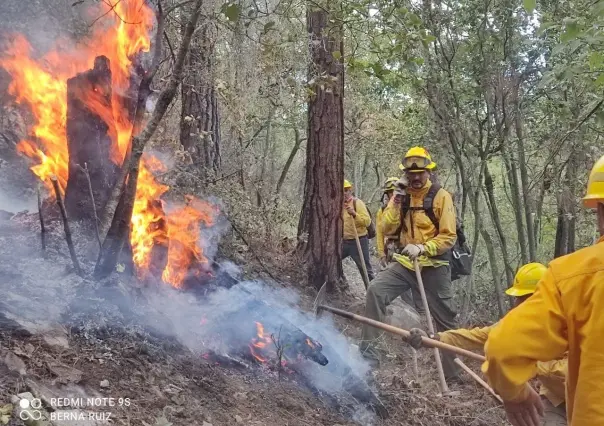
439, 364
402, 332
478, 379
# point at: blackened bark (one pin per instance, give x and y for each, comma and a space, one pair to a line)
321, 217
90, 129
199, 120
120, 225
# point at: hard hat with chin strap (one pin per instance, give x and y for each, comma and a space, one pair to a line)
595, 186
526, 279
347, 184
416, 160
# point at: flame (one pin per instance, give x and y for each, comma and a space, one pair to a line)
183, 236
122, 33
259, 343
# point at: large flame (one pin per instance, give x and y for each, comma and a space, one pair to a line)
121, 34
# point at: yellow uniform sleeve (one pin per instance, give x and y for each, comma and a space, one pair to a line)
391, 217
362, 219
447, 234
473, 339
556, 368
379, 235
552, 376
534, 331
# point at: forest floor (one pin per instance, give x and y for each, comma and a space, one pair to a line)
54, 345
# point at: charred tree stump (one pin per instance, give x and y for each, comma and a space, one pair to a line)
90, 135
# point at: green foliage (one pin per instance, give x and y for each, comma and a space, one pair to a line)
232, 11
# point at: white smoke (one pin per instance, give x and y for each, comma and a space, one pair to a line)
15, 204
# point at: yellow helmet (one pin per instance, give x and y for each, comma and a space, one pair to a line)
595, 186
417, 159
526, 279
347, 184
389, 184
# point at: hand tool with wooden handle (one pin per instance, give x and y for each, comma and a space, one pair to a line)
439, 364
360, 251
431, 343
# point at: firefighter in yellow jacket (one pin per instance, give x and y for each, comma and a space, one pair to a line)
566, 313
381, 243
424, 235
384, 245
356, 218
551, 374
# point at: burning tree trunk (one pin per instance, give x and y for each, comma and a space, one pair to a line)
89, 140
199, 122
124, 192
323, 191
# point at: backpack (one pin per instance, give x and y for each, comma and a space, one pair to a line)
371, 228
460, 255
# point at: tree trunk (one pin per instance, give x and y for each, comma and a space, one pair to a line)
90, 130
199, 118
261, 184
492, 204
512, 173
565, 228
528, 211
122, 217
571, 186
321, 217
561, 230
297, 142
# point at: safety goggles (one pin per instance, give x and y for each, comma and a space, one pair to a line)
416, 163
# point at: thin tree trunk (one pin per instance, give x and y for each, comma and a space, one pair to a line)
492, 204
525, 184
561, 230
516, 201
544, 187
265, 154
494, 269
571, 217
321, 217
290, 159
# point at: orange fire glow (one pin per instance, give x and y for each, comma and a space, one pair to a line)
40, 83
259, 344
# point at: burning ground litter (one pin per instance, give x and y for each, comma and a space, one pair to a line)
203, 328
190, 351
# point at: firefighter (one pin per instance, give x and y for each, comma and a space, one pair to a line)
381, 243
551, 374
385, 247
424, 235
564, 314
356, 215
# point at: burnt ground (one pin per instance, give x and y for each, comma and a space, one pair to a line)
54, 345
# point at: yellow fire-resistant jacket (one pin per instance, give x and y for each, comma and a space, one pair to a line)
380, 243
361, 222
551, 374
566, 313
423, 229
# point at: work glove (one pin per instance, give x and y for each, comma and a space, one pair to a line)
415, 338
401, 186
414, 250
